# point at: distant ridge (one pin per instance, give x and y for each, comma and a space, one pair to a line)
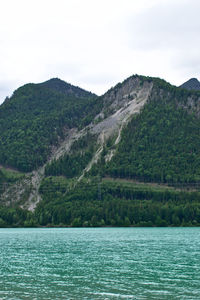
191, 84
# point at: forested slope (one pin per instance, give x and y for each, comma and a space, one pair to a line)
37, 117
161, 144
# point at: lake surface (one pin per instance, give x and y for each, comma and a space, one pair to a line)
100, 263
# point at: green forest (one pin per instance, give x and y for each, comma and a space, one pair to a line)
72, 164
36, 118
159, 145
107, 202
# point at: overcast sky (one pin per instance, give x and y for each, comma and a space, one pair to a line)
97, 43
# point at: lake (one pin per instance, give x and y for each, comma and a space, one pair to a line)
100, 263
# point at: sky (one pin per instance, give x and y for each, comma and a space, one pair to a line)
95, 44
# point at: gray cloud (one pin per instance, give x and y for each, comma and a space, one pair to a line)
6, 89
172, 29
95, 44
167, 25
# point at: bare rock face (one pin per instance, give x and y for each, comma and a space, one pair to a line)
121, 102
191, 84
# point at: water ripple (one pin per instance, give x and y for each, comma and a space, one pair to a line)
100, 263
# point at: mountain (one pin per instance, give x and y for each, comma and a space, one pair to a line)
191, 84
127, 158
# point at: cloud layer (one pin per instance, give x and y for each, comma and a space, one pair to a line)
95, 44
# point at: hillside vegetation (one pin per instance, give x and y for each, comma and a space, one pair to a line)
161, 144
107, 203
36, 118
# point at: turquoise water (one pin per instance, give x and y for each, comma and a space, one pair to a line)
100, 263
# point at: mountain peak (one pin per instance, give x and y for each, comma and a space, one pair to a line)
191, 84
63, 87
